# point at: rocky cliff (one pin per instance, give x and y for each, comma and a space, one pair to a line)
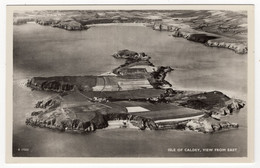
70, 25
131, 55
237, 47
55, 113
157, 78
205, 38
62, 83
56, 116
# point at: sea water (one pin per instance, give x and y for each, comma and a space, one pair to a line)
47, 51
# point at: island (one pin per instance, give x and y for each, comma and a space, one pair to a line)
133, 95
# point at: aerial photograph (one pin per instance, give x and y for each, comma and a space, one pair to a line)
130, 83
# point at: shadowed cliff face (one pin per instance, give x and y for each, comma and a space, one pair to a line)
210, 41
201, 38
62, 83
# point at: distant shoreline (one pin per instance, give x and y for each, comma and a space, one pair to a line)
117, 24
199, 26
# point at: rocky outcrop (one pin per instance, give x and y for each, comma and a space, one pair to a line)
65, 124
62, 84
131, 55
21, 21
209, 41
201, 38
206, 39
165, 27
51, 85
141, 122
45, 21
70, 24
132, 59
49, 103
206, 126
237, 47
230, 107
64, 120
203, 125
214, 103
157, 79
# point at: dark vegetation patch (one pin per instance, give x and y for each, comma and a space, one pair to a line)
201, 38
206, 100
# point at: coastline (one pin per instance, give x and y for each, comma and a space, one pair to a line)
223, 42
117, 24
229, 33
206, 38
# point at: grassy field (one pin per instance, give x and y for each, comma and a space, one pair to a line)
130, 94
158, 111
173, 113
79, 104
